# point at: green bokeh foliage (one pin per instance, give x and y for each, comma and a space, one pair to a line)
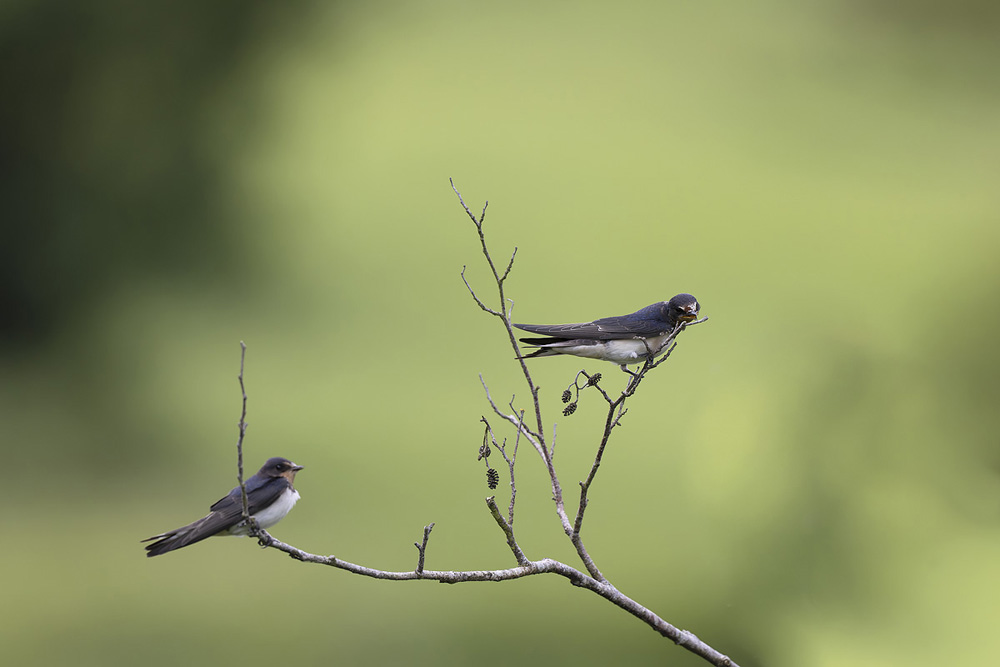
812, 479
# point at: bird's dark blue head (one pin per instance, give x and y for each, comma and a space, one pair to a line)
279, 467
682, 308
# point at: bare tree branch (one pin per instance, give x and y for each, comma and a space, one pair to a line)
544, 566
616, 406
593, 580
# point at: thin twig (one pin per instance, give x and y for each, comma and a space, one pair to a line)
533, 438
617, 410
510, 464
504, 317
239, 444
509, 460
422, 548
478, 301
508, 530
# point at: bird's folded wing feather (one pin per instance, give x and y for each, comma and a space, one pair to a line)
608, 328
228, 509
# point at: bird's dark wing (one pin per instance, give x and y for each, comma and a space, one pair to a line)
608, 328
260, 494
227, 512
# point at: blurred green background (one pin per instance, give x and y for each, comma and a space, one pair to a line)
811, 480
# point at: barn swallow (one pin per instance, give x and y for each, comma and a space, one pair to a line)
626, 339
270, 496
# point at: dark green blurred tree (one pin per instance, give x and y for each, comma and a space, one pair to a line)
105, 174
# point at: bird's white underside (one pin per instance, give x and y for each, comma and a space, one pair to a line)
621, 351
271, 514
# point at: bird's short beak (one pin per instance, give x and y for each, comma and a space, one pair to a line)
690, 313
296, 467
